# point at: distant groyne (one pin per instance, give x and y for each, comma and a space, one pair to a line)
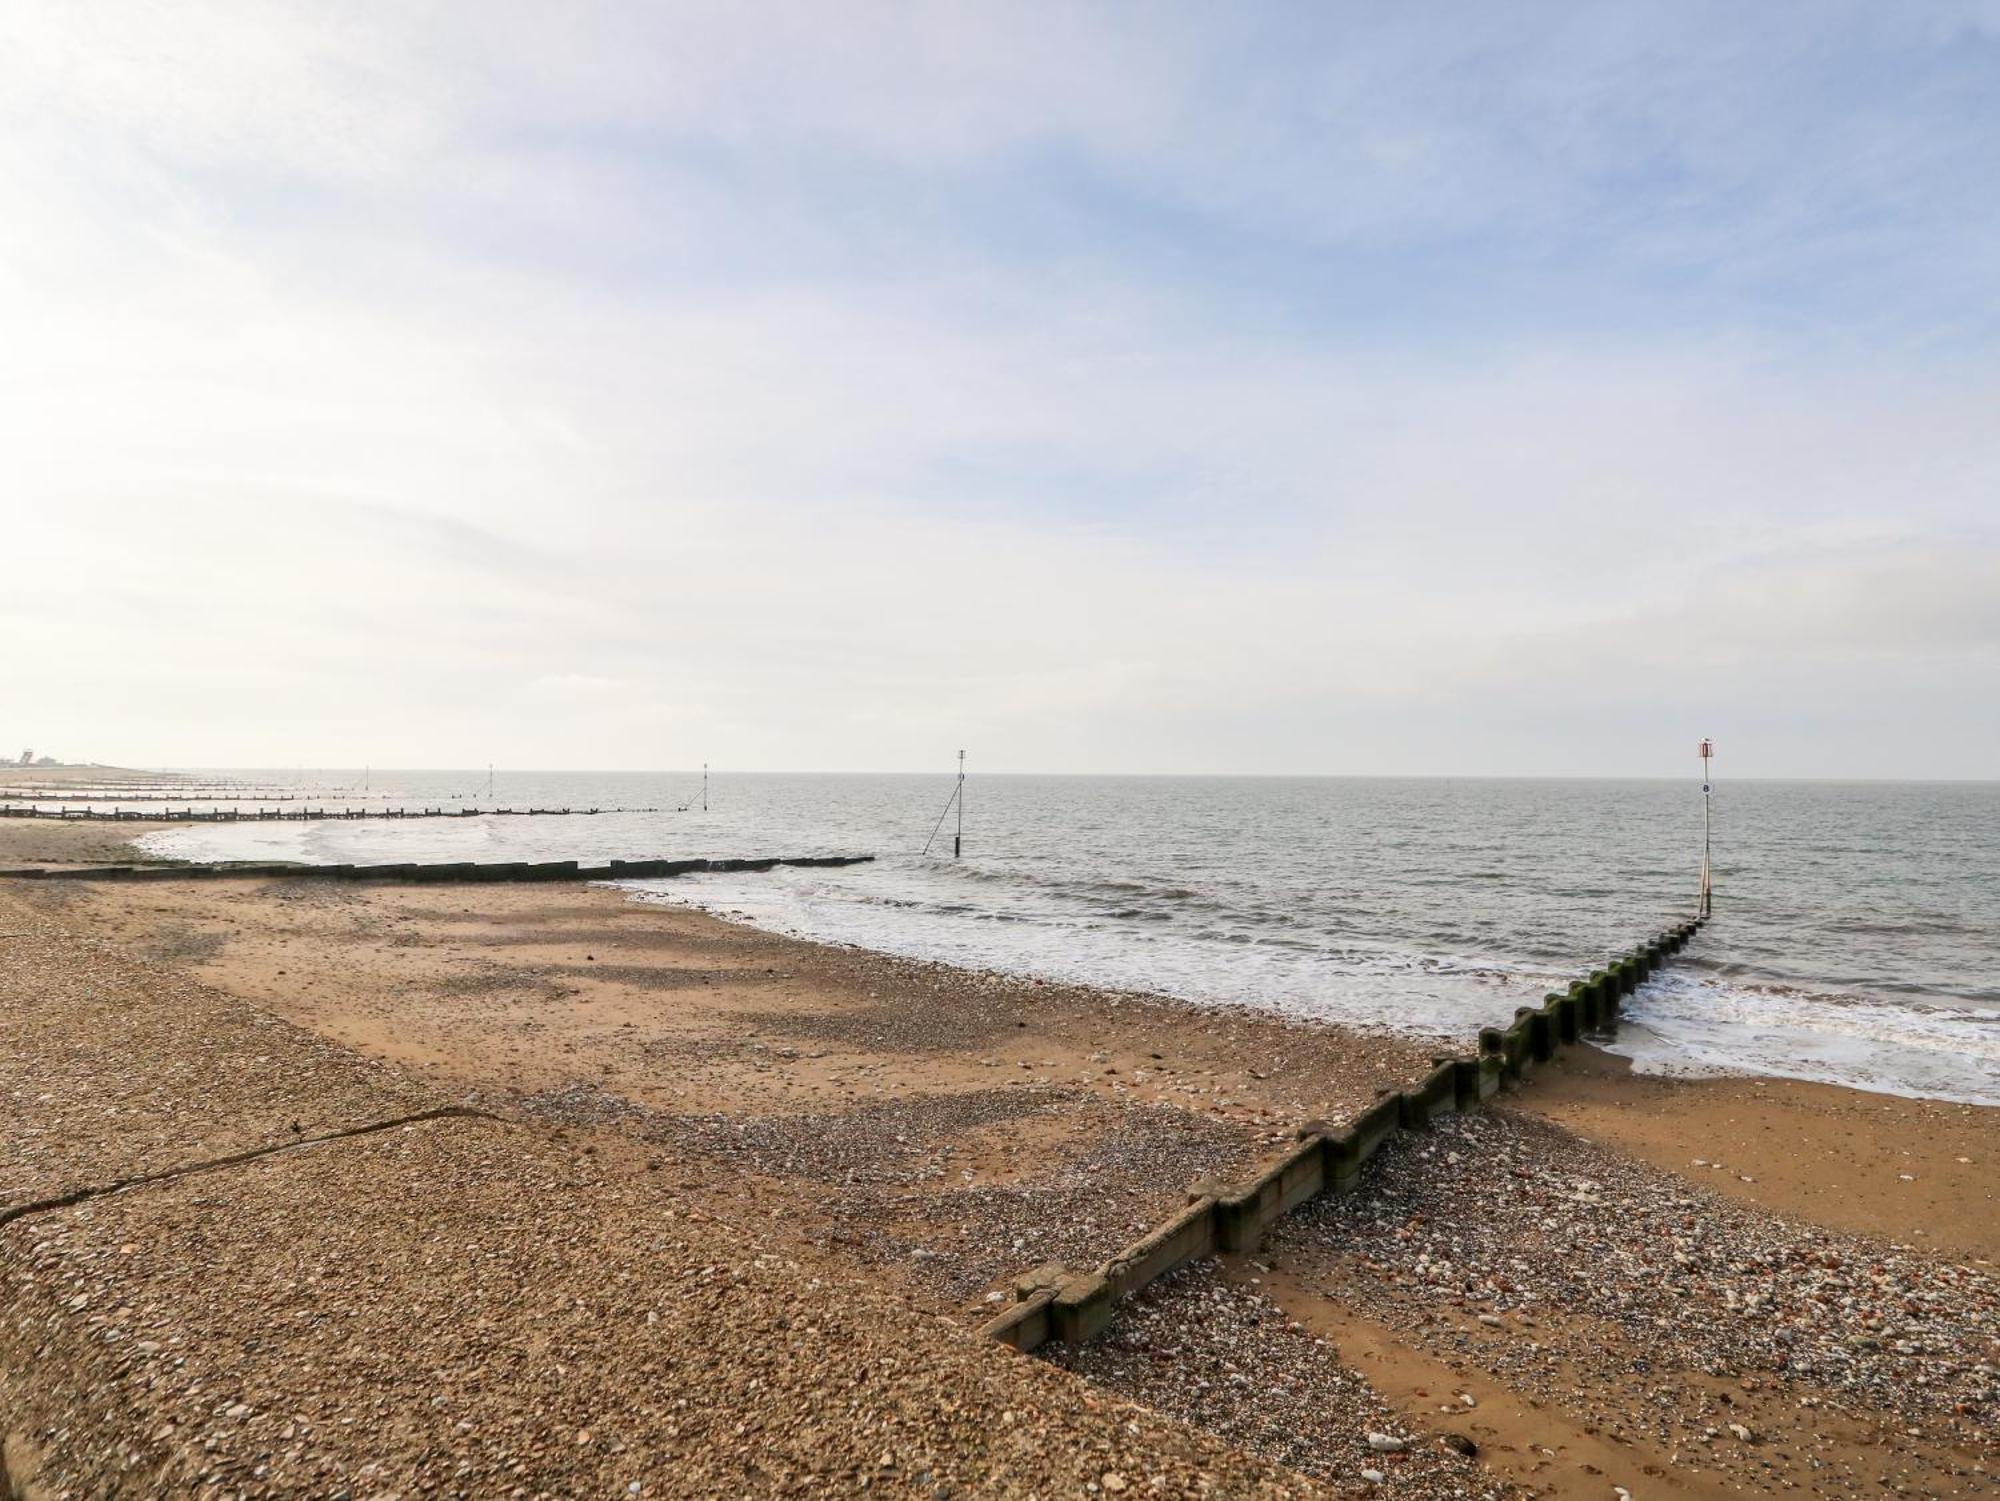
176, 796
464, 870
299, 815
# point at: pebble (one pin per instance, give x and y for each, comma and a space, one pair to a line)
509, 1269
1645, 1289
1223, 1357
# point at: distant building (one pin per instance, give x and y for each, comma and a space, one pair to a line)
27, 758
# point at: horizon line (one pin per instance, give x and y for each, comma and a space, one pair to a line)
948, 772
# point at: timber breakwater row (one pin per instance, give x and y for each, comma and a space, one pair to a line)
298, 815
515, 870
150, 797
1052, 1303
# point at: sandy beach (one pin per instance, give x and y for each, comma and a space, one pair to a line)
683, 1161
1081, 753
34, 841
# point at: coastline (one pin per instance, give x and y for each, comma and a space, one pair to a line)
1899, 1169
36, 841
929, 1134
1792, 1146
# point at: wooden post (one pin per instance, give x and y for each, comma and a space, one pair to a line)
1707, 879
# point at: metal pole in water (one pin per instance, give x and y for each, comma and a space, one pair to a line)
704, 786
489, 781
1707, 783
958, 837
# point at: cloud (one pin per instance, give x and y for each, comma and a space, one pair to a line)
1126, 390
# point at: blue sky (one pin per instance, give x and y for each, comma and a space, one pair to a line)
1431, 388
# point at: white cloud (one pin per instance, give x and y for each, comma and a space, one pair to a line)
307, 468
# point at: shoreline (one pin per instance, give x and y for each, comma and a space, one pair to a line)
1890, 1166
35, 841
925, 1135
80, 845
1709, 1019
1796, 1145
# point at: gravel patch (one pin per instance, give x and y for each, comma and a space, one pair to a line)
311, 894
112, 1067
177, 943
654, 977
956, 1191
886, 1029
1227, 1360
1641, 1300
465, 1309
500, 979
1132, 1170
890, 1142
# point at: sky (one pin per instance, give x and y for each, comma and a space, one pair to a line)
1265, 388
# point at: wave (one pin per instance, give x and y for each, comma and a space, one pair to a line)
1380, 906
1682, 1022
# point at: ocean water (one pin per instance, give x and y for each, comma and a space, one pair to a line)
1856, 941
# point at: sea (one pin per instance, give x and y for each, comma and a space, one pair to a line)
1856, 937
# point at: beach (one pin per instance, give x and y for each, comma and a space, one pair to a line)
1425, 908
554, 1141
1073, 753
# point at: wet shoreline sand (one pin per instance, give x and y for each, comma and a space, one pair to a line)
1881, 1165
920, 1133
44, 842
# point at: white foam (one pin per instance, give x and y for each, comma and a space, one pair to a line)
1682, 1021
1422, 909
1369, 988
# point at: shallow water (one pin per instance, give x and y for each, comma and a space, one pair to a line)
1857, 937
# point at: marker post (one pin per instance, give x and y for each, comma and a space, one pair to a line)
1707, 785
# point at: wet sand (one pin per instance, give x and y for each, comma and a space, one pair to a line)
959, 1128
240, 1258
1923, 1171
51, 842
1584, 1324
925, 1135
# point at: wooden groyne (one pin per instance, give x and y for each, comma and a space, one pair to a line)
165, 785
302, 815
466, 870
176, 796
1052, 1303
